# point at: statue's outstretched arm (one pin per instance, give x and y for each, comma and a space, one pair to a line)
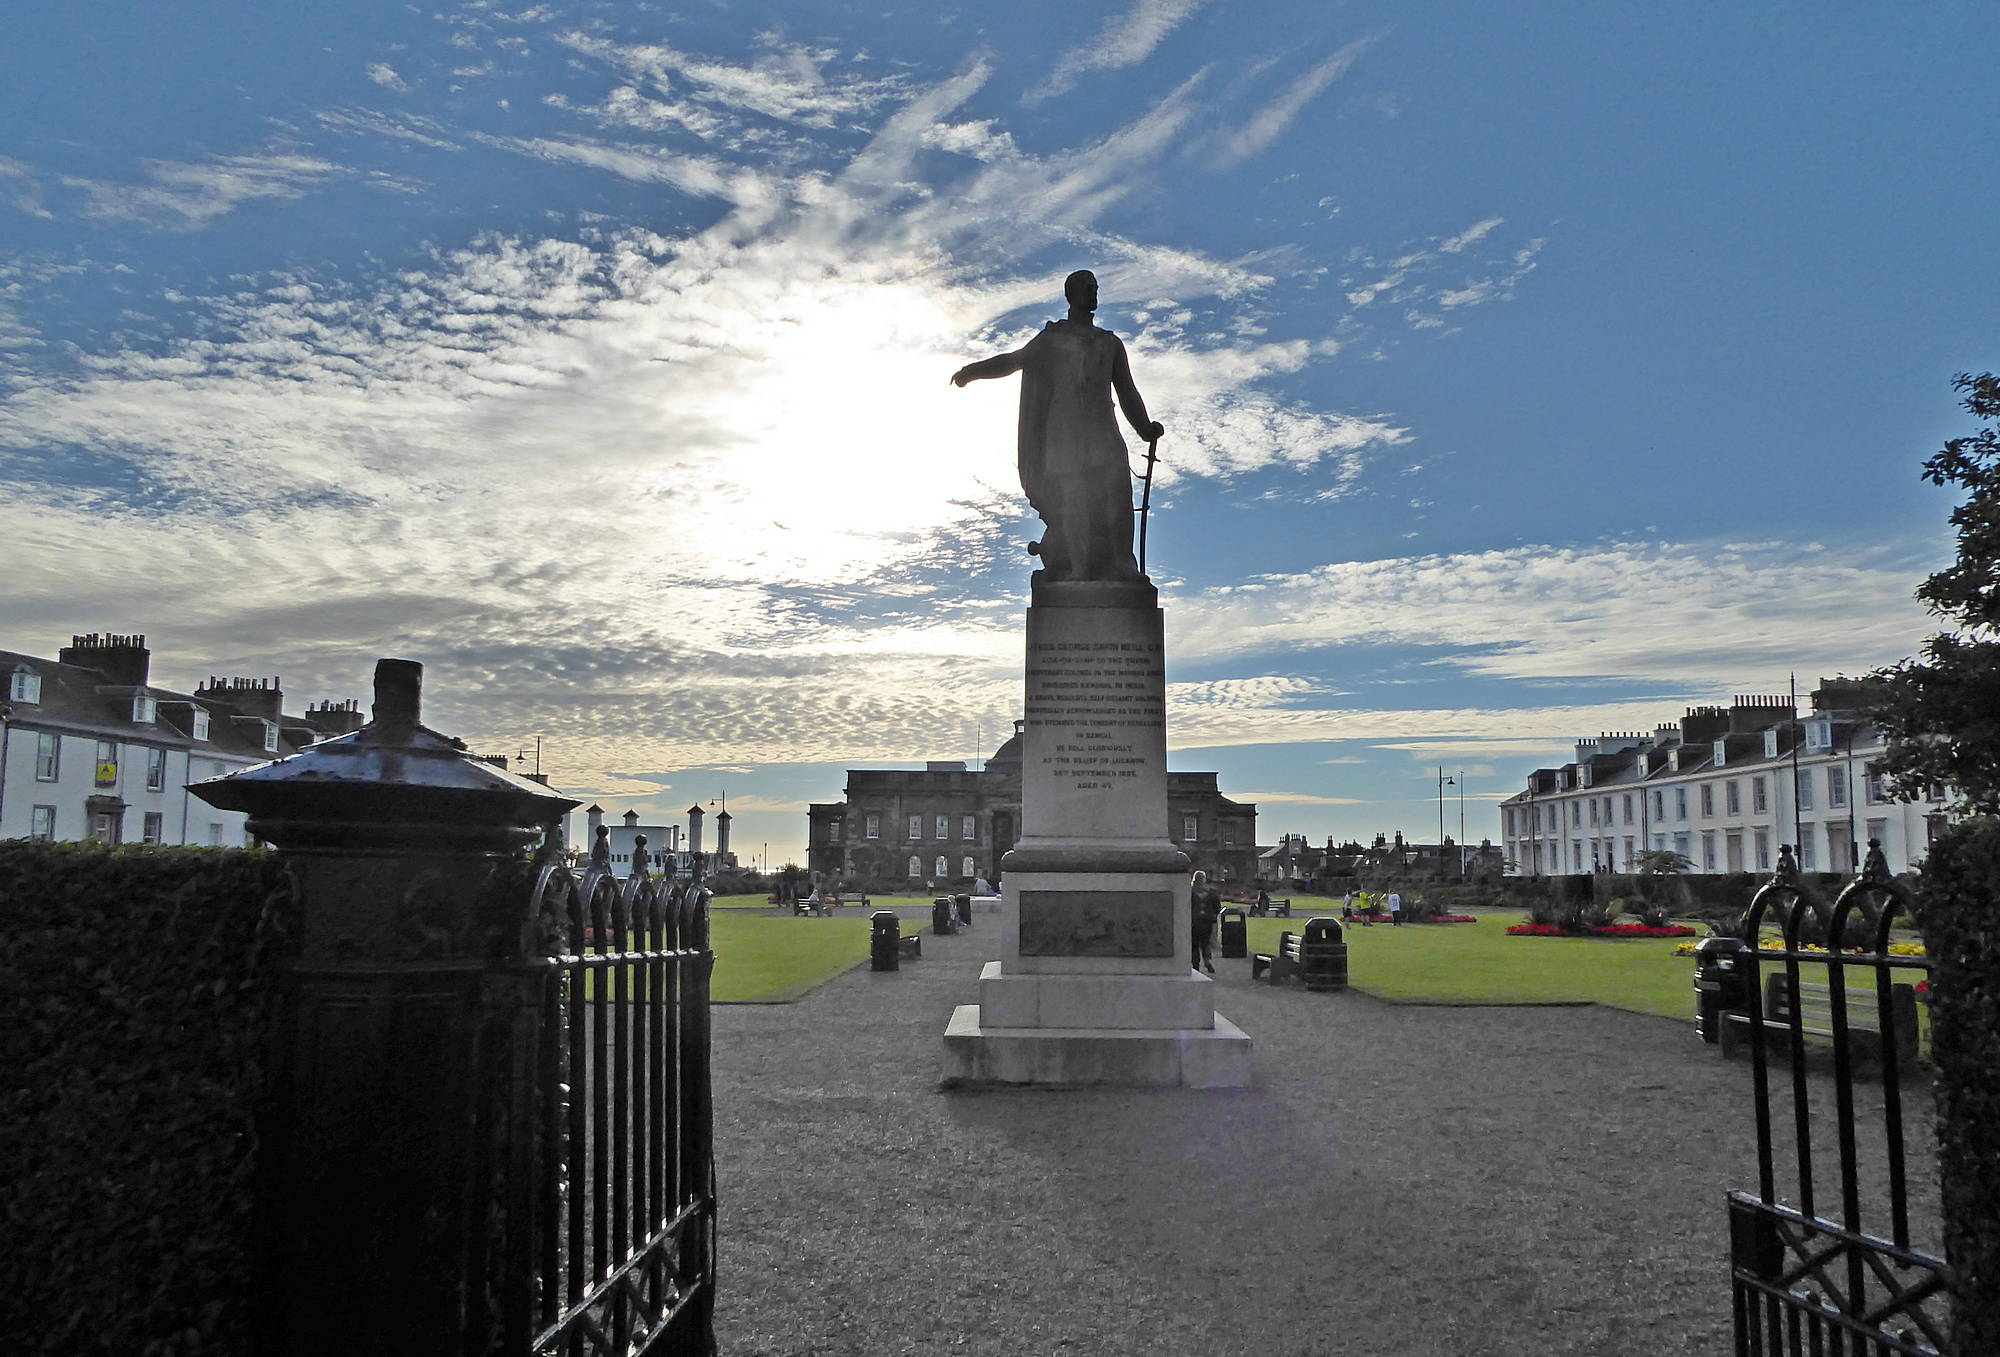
999, 365
1131, 402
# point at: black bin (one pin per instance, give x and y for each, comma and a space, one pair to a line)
943, 918
1235, 933
964, 903
884, 932
1719, 984
1323, 955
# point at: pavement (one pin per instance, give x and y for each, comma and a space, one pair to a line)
1465, 1182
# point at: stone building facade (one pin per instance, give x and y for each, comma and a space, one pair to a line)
1724, 787
947, 824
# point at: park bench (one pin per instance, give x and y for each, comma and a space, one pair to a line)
1815, 1014
1319, 963
851, 898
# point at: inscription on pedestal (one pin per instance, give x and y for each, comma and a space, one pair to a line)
1097, 923
1100, 705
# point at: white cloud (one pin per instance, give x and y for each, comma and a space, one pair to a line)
1294, 799
1124, 39
383, 74
187, 196
1268, 123
1676, 613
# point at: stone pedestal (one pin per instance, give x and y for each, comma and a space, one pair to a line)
1094, 982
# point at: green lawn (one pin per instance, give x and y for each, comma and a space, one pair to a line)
1477, 963
775, 959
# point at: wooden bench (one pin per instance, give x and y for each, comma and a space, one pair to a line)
851, 898
1815, 1015
1283, 964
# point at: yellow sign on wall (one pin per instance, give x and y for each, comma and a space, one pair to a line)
107, 773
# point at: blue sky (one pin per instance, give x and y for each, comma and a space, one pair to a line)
1529, 370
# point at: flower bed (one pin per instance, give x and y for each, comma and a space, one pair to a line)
1534, 930
1449, 919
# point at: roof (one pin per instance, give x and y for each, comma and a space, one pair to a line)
76, 699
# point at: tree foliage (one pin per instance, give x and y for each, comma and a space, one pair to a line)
1662, 862
1940, 711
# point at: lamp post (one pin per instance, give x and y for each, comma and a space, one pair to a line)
1461, 822
1443, 782
521, 756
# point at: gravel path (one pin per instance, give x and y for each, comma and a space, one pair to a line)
1477, 1182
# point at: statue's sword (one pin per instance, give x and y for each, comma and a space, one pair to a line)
1146, 498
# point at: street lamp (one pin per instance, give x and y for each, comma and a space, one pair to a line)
521, 756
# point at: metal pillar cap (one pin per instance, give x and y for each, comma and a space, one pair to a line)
395, 783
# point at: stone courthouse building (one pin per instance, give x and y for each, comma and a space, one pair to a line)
948, 824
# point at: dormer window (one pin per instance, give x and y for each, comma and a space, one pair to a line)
1771, 743
1819, 735
144, 709
1721, 753
201, 723
270, 737
25, 685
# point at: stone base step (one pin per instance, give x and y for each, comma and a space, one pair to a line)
1059, 1057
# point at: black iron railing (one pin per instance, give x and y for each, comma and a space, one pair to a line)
1823, 1253
622, 1255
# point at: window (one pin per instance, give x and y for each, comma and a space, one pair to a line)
968, 830
1593, 810
1708, 800
1760, 794
1803, 785
48, 756
107, 763
916, 867
143, 710
872, 826
200, 723
970, 868
156, 771
1680, 803
1771, 743
1878, 833
214, 835
1933, 791
1732, 796
943, 827
1659, 804
1807, 854
1190, 828
1575, 813
1576, 855
25, 687
1819, 735
270, 737
1630, 857
916, 827
1628, 811
1836, 786
42, 823
1228, 834
1873, 789
1707, 849
1762, 839
943, 869
154, 824
1683, 844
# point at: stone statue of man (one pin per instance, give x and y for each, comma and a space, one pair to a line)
1073, 459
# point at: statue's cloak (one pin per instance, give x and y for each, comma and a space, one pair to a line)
1073, 461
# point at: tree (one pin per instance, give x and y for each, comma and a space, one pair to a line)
1662, 862
1940, 712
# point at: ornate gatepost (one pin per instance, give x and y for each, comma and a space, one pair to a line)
397, 1040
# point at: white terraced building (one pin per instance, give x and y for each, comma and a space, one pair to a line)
1724, 788
90, 748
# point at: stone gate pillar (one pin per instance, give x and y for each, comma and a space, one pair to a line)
398, 1022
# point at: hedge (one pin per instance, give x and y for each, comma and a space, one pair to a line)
134, 1004
1958, 911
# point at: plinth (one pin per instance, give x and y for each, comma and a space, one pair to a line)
1095, 982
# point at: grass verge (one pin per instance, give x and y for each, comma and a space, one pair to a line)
1477, 963
776, 959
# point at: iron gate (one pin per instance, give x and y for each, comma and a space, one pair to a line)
1826, 1262
620, 1259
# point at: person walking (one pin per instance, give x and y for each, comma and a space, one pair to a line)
1204, 905
1347, 906
1263, 901
1396, 908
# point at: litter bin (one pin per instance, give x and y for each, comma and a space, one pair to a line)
943, 918
884, 931
1235, 933
1323, 954
964, 903
1719, 984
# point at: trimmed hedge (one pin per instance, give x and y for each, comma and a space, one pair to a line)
1958, 911
134, 1004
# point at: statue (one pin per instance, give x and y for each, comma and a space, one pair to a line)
1072, 457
